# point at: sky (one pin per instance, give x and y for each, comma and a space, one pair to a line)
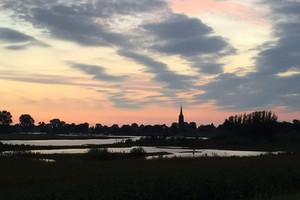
110, 61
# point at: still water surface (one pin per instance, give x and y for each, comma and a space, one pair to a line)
171, 151
66, 142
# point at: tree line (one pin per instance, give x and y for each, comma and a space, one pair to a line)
256, 124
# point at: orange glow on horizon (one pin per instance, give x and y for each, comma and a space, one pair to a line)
151, 115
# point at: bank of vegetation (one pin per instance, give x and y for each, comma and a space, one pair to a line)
266, 177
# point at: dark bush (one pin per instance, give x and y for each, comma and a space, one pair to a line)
95, 153
138, 152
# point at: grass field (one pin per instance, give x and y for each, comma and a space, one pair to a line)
287, 197
267, 177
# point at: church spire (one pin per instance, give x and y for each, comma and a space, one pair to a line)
181, 119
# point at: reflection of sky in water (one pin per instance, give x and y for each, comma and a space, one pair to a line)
67, 142
173, 152
210, 153
77, 142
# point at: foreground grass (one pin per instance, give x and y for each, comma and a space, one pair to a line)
284, 197
202, 178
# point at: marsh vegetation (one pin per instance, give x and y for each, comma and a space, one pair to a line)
135, 178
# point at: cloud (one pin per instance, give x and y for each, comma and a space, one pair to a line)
125, 100
83, 30
83, 22
253, 91
283, 55
191, 39
14, 36
161, 71
121, 100
185, 36
17, 40
46, 79
130, 26
97, 72
152, 26
266, 87
284, 7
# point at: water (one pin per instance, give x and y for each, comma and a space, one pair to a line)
170, 152
66, 142
210, 153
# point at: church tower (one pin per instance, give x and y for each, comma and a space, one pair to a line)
181, 119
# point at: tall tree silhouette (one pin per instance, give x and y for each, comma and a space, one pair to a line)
5, 118
255, 124
26, 122
5, 121
56, 125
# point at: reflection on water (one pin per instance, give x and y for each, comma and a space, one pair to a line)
81, 142
46, 160
211, 153
75, 142
170, 152
61, 151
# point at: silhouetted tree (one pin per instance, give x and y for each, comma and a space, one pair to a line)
98, 128
5, 118
134, 128
42, 127
82, 128
56, 126
192, 125
55, 123
296, 122
114, 129
138, 152
174, 128
105, 130
255, 124
26, 122
125, 129
5, 121
207, 128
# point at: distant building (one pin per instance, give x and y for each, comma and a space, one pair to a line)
181, 123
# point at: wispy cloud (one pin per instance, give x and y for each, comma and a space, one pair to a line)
50, 79
161, 71
97, 72
16, 40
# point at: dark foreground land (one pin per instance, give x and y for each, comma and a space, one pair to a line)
255, 178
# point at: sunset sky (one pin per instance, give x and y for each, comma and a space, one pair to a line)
125, 61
